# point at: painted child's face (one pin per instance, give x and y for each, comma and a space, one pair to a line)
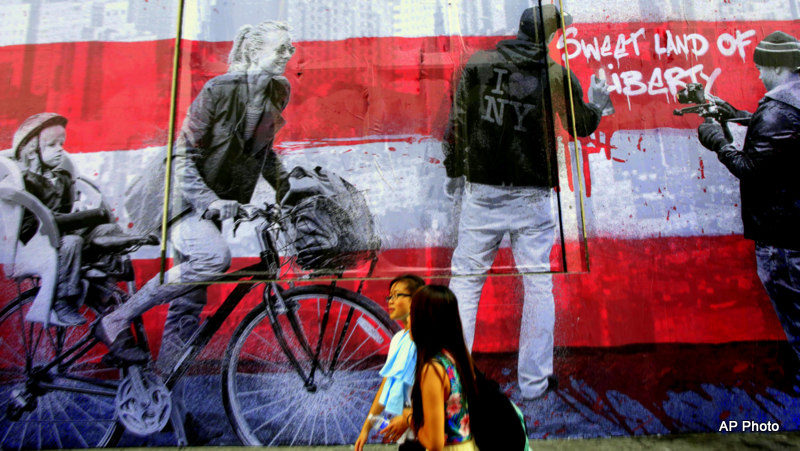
51, 145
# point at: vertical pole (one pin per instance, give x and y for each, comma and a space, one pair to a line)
170, 139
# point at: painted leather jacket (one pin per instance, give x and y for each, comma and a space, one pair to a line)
211, 159
767, 169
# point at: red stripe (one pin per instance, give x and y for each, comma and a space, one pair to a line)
660, 290
665, 290
116, 95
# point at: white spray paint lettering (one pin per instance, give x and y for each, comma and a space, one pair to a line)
597, 50
686, 44
729, 44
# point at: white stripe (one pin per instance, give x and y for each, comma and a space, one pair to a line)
656, 192
40, 21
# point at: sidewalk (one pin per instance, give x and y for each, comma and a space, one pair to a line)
721, 442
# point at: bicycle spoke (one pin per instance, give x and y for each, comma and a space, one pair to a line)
286, 424
352, 425
334, 334
339, 427
324, 429
262, 406
347, 359
278, 415
253, 392
375, 368
299, 429
52, 339
259, 359
362, 390
24, 340
11, 364
30, 340
311, 434
79, 435
13, 351
70, 333
39, 431
38, 338
72, 426
360, 360
264, 340
22, 437
349, 335
81, 410
8, 432
97, 401
52, 424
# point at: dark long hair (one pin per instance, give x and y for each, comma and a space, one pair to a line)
436, 327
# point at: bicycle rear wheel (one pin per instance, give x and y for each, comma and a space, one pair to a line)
284, 385
71, 406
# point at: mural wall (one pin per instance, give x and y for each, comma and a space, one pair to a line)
604, 259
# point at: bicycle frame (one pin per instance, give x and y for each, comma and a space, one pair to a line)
272, 300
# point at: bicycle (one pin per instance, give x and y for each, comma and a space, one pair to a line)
306, 354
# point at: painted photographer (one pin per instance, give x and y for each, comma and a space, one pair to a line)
500, 147
766, 168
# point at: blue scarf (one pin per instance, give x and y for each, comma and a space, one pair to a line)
399, 373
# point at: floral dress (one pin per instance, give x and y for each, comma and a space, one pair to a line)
456, 412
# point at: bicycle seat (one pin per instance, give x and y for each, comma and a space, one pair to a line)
36, 258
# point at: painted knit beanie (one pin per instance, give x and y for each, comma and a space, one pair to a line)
778, 50
533, 22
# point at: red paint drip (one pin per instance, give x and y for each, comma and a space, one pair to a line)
702, 170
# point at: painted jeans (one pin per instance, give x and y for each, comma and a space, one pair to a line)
779, 271
527, 214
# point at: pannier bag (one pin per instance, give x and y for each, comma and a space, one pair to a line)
326, 221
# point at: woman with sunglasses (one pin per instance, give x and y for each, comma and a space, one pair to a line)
398, 372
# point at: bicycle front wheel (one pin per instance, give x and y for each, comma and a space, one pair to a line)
306, 374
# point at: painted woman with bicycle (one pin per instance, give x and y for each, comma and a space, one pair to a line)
224, 145
299, 366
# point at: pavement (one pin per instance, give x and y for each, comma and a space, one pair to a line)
652, 394
721, 442
637, 397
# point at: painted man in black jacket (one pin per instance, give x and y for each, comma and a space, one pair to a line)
767, 171
500, 147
